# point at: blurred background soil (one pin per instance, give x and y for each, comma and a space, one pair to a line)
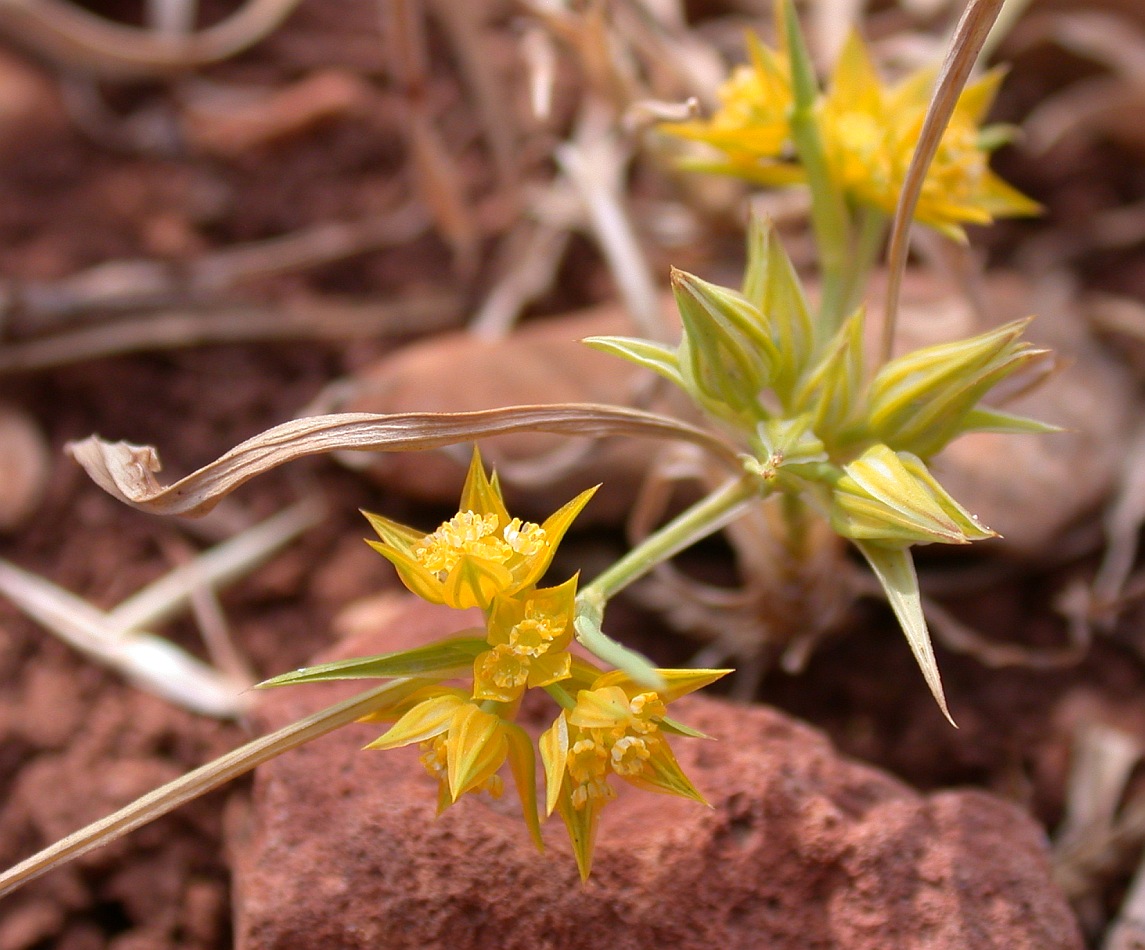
311, 127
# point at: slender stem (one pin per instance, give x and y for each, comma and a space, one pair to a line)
969, 35
205, 778
829, 216
870, 233
702, 519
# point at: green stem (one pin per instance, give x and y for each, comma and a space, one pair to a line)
871, 232
561, 696
702, 519
829, 216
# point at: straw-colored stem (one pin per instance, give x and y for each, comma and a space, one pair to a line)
202, 780
969, 36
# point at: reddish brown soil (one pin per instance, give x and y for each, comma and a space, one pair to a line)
77, 742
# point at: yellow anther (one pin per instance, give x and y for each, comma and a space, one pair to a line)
465, 533
524, 538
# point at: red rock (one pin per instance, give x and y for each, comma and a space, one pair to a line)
802, 848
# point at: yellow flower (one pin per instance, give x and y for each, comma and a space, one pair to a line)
870, 133
751, 126
529, 634
615, 728
478, 553
463, 745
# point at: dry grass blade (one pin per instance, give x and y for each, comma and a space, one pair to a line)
162, 599
1093, 836
117, 638
970, 34
595, 162
81, 40
321, 320
126, 471
202, 780
533, 253
465, 22
29, 306
149, 661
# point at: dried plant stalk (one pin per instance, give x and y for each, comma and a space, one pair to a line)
126, 471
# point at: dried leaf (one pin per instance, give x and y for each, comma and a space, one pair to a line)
127, 471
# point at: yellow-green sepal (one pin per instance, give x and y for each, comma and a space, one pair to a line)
772, 286
581, 824
523, 763
416, 578
480, 493
657, 357
554, 748
443, 658
919, 401
677, 683
662, 773
727, 356
555, 527
475, 749
894, 568
831, 392
431, 717
891, 499
982, 419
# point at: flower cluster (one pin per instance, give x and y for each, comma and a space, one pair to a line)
869, 131
816, 423
481, 557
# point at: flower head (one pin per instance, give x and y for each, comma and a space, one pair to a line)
528, 635
615, 728
463, 746
869, 132
478, 553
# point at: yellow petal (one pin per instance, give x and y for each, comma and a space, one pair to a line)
581, 824
600, 708
474, 582
555, 526
662, 773
411, 573
427, 719
679, 682
550, 668
855, 85
475, 748
554, 748
524, 765
393, 534
481, 495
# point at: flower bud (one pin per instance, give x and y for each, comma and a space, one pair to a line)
920, 401
727, 355
889, 498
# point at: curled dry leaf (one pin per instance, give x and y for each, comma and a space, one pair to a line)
24, 467
542, 362
128, 471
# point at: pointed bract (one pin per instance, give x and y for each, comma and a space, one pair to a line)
890, 499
